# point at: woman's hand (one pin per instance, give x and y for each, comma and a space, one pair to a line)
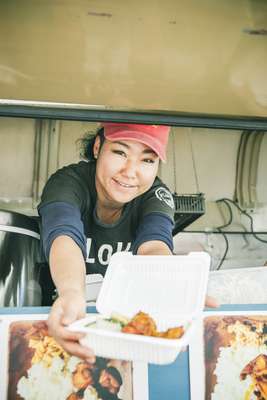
211, 302
69, 307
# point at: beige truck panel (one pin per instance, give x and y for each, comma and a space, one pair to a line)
186, 55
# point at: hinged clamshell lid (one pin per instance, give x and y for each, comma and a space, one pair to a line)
166, 287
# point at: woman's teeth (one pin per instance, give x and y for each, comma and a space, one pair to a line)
125, 184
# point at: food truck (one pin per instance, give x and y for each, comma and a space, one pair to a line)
67, 67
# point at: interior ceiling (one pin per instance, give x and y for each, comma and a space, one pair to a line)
200, 57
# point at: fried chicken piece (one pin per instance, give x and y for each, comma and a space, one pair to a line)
141, 324
73, 396
172, 333
79, 395
257, 369
82, 376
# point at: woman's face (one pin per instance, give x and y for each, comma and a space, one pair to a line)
125, 169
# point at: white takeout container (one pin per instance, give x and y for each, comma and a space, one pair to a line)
93, 284
171, 289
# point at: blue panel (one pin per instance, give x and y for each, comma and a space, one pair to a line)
170, 382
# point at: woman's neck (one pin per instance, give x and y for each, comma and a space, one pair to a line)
108, 213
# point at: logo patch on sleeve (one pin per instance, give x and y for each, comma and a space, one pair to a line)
165, 195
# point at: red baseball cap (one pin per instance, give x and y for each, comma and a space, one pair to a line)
154, 136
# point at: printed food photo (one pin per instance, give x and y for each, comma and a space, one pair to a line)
39, 369
235, 357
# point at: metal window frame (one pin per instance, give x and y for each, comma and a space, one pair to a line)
95, 113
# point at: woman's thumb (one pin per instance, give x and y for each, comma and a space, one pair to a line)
70, 314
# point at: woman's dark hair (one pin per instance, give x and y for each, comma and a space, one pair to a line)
88, 141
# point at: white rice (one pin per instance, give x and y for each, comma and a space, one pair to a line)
90, 393
230, 363
107, 325
45, 383
72, 363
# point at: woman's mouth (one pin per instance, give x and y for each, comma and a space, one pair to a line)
125, 185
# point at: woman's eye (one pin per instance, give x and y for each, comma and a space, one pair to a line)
120, 152
149, 160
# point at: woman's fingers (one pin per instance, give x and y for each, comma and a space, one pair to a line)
61, 333
62, 313
74, 348
211, 302
70, 341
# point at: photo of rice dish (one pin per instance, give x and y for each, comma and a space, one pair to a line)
39, 369
235, 351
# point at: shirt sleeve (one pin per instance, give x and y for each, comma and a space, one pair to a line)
59, 218
69, 185
155, 226
158, 199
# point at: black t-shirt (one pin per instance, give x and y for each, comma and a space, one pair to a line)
75, 184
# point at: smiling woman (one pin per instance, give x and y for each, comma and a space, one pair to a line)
126, 169
107, 203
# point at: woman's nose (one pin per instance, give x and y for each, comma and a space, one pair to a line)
130, 168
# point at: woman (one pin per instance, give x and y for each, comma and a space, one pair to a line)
114, 202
